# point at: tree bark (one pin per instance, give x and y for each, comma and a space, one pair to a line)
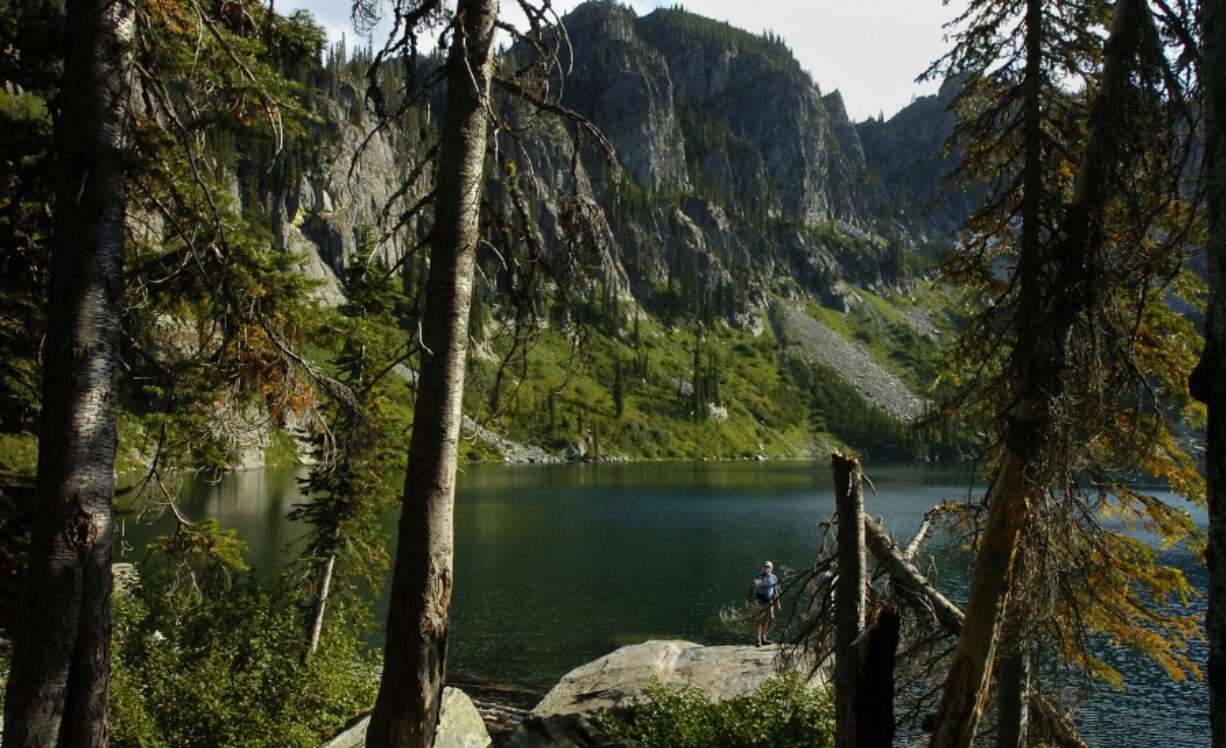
849, 594
414, 660
1013, 687
1209, 379
57, 690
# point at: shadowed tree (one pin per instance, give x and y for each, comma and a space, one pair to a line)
56, 692
1074, 254
415, 653
1209, 381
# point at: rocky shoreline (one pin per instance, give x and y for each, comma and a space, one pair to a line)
564, 717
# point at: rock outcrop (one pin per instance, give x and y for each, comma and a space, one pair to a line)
460, 726
615, 681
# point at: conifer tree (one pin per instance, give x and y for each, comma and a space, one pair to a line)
1076, 357
351, 447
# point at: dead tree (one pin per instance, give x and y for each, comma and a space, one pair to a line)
849, 594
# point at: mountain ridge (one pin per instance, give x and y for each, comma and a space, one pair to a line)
743, 186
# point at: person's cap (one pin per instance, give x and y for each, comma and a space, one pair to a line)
768, 563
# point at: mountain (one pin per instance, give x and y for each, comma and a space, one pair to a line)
743, 196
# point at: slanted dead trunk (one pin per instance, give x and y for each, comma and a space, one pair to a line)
57, 688
903, 573
414, 659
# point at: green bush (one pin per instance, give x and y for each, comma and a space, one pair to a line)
226, 669
783, 712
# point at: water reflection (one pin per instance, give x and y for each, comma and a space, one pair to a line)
558, 564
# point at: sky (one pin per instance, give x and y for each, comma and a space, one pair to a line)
870, 50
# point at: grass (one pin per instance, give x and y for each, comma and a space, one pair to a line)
763, 405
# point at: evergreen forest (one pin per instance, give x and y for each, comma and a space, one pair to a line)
229, 244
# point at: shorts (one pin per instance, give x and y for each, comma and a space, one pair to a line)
765, 605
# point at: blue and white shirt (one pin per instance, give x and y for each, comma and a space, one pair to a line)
765, 587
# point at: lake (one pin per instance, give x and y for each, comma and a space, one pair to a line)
559, 564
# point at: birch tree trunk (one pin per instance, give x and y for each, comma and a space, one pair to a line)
1209, 380
57, 690
414, 659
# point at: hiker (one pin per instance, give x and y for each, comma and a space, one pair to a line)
764, 593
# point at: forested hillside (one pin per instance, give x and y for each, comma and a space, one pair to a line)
668, 283
749, 276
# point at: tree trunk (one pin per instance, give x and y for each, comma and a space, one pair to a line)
849, 594
1013, 687
966, 685
315, 622
414, 659
875, 696
1047, 311
57, 689
1209, 380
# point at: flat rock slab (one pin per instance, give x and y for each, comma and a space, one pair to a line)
617, 679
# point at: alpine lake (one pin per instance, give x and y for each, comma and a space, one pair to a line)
556, 565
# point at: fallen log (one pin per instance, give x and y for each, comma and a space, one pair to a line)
904, 574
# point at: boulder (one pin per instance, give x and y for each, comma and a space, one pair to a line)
460, 726
617, 679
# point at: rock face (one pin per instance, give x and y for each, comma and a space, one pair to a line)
740, 182
741, 179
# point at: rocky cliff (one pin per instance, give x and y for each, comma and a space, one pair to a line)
739, 174
737, 185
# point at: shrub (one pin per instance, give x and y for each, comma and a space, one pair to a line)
227, 670
783, 712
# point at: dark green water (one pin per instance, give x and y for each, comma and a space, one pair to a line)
556, 565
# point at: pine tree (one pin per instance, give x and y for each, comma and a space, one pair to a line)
1075, 364
351, 449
